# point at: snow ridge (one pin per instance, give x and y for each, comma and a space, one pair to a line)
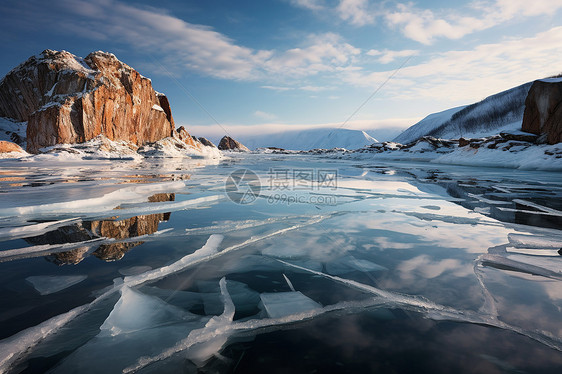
500, 111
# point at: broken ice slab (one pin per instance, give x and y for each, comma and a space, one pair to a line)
112, 354
136, 311
282, 304
550, 267
535, 241
48, 284
244, 298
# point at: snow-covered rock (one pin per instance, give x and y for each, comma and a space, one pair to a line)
13, 131
229, 144
173, 147
11, 150
516, 150
67, 99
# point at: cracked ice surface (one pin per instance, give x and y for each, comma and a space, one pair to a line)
406, 257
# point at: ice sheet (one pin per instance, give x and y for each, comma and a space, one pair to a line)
49, 284
535, 241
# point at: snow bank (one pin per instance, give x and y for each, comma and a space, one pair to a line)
530, 158
489, 152
174, 148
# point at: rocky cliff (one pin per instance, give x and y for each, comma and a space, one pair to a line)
543, 110
68, 99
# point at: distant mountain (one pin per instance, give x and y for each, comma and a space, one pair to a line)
500, 112
311, 139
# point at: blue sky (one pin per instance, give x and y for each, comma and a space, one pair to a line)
264, 66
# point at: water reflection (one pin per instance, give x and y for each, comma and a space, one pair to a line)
113, 228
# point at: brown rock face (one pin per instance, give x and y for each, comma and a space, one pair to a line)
543, 110
182, 134
67, 99
227, 143
6, 147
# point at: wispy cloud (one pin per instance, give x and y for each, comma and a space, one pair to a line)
264, 115
356, 12
470, 74
425, 25
309, 4
386, 56
299, 88
181, 45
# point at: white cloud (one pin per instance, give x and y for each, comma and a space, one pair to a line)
278, 88
322, 53
357, 12
387, 56
265, 115
512, 8
425, 26
180, 45
470, 75
309, 4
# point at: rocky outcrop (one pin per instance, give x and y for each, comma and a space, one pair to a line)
206, 142
67, 99
181, 134
543, 110
7, 147
229, 144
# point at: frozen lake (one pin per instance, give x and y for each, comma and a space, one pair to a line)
279, 263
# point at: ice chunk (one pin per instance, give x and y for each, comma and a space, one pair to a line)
135, 311
48, 284
538, 207
281, 304
289, 283
533, 241
550, 267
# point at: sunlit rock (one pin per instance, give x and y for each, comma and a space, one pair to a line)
67, 99
229, 144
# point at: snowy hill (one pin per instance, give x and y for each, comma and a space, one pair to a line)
311, 139
500, 112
